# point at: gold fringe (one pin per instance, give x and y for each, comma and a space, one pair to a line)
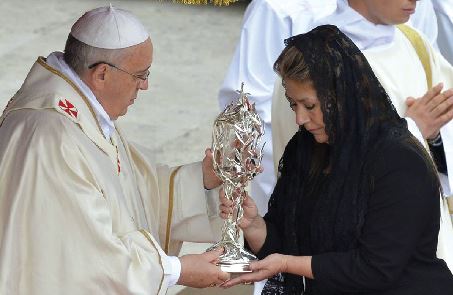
204, 2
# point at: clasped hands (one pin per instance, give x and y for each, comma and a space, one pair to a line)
431, 111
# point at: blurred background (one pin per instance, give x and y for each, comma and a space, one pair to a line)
193, 46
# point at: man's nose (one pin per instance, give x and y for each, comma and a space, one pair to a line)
143, 84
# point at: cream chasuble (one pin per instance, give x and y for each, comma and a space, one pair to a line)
83, 215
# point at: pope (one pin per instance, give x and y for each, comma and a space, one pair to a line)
83, 210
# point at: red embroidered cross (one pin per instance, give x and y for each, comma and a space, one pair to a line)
68, 107
119, 165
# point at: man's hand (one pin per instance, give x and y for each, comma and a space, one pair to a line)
431, 111
200, 271
262, 269
210, 179
248, 205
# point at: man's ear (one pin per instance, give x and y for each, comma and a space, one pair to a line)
96, 77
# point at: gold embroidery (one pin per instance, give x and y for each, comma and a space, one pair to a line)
170, 208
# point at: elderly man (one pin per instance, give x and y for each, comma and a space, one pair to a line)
82, 211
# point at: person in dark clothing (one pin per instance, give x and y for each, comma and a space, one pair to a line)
356, 206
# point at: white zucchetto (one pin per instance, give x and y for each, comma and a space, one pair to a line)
109, 28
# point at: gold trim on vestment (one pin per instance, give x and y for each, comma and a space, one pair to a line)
41, 61
450, 204
146, 234
61, 75
423, 56
171, 192
420, 49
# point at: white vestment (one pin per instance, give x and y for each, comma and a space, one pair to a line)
81, 214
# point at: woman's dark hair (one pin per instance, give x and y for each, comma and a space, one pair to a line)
291, 65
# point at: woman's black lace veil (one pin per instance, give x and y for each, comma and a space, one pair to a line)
358, 116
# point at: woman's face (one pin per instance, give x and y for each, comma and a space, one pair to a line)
304, 101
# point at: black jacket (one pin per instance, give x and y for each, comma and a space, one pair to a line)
396, 252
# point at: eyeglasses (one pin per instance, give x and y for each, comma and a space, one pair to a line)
142, 77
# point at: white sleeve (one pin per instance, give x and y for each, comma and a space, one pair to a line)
261, 41
175, 270
195, 213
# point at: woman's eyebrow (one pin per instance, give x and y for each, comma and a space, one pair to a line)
303, 98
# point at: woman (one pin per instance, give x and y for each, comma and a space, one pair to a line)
356, 205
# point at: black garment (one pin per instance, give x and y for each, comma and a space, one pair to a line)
306, 205
396, 252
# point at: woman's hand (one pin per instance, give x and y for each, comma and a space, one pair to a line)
248, 205
263, 269
272, 265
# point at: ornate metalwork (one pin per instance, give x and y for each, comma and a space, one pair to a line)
237, 158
